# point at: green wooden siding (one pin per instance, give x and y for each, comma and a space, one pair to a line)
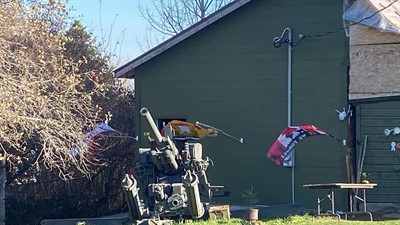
230, 76
381, 164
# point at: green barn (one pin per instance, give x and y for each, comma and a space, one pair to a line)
227, 72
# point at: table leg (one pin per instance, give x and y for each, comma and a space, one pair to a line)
319, 203
365, 201
333, 201
351, 198
355, 211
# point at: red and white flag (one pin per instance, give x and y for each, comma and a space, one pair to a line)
289, 137
91, 139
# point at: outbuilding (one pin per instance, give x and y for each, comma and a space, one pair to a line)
251, 69
374, 93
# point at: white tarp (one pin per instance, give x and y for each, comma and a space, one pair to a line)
375, 13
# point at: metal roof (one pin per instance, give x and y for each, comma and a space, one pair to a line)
383, 15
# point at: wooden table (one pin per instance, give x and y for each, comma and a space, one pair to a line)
331, 195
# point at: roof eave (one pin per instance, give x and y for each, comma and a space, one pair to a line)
127, 70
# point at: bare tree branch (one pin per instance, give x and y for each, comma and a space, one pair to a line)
46, 101
170, 17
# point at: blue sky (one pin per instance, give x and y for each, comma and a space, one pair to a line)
120, 18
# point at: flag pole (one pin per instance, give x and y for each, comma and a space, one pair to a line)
219, 130
337, 139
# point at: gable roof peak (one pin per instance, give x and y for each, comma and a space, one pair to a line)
127, 70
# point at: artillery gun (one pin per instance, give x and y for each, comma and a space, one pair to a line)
170, 178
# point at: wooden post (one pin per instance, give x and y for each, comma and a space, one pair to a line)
2, 190
350, 155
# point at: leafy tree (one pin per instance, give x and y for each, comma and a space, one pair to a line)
168, 18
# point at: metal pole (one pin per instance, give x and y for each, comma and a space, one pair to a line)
2, 190
289, 113
278, 41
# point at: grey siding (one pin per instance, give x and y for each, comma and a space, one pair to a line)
230, 76
381, 164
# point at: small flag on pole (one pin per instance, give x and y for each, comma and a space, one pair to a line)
91, 139
185, 129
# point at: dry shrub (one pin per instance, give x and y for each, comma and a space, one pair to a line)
45, 105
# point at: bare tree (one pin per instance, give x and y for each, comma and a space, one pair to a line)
39, 191
169, 17
46, 105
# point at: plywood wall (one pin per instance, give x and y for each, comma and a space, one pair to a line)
374, 63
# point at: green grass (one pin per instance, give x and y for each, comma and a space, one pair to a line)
293, 220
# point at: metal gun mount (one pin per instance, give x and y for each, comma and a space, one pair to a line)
170, 177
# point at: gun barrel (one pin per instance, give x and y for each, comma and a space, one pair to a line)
154, 130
